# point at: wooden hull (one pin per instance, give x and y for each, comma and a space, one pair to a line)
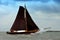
29, 32
18, 32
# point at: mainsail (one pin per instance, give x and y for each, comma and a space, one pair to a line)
23, 21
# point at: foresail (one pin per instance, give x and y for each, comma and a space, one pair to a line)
19, 23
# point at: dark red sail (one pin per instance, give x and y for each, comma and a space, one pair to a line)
30, 23
20, 22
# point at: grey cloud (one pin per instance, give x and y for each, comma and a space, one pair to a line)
26, 0
34, 0
49, 8
56, 1
44, 1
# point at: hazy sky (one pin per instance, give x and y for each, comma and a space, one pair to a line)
45, 13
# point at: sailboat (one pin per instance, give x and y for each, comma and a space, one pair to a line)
23, 23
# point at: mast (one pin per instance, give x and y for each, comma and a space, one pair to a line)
25, 17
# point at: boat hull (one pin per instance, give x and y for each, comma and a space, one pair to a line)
18, 32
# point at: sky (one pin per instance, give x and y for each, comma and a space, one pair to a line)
45, 13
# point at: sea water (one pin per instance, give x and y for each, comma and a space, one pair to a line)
36, 36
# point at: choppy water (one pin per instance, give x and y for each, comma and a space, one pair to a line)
38, 36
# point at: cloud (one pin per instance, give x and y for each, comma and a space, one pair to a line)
22, 0
41, 5
57, 1
8, 2
26, 0
49, 7
34, 0
44, 1
6, 10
